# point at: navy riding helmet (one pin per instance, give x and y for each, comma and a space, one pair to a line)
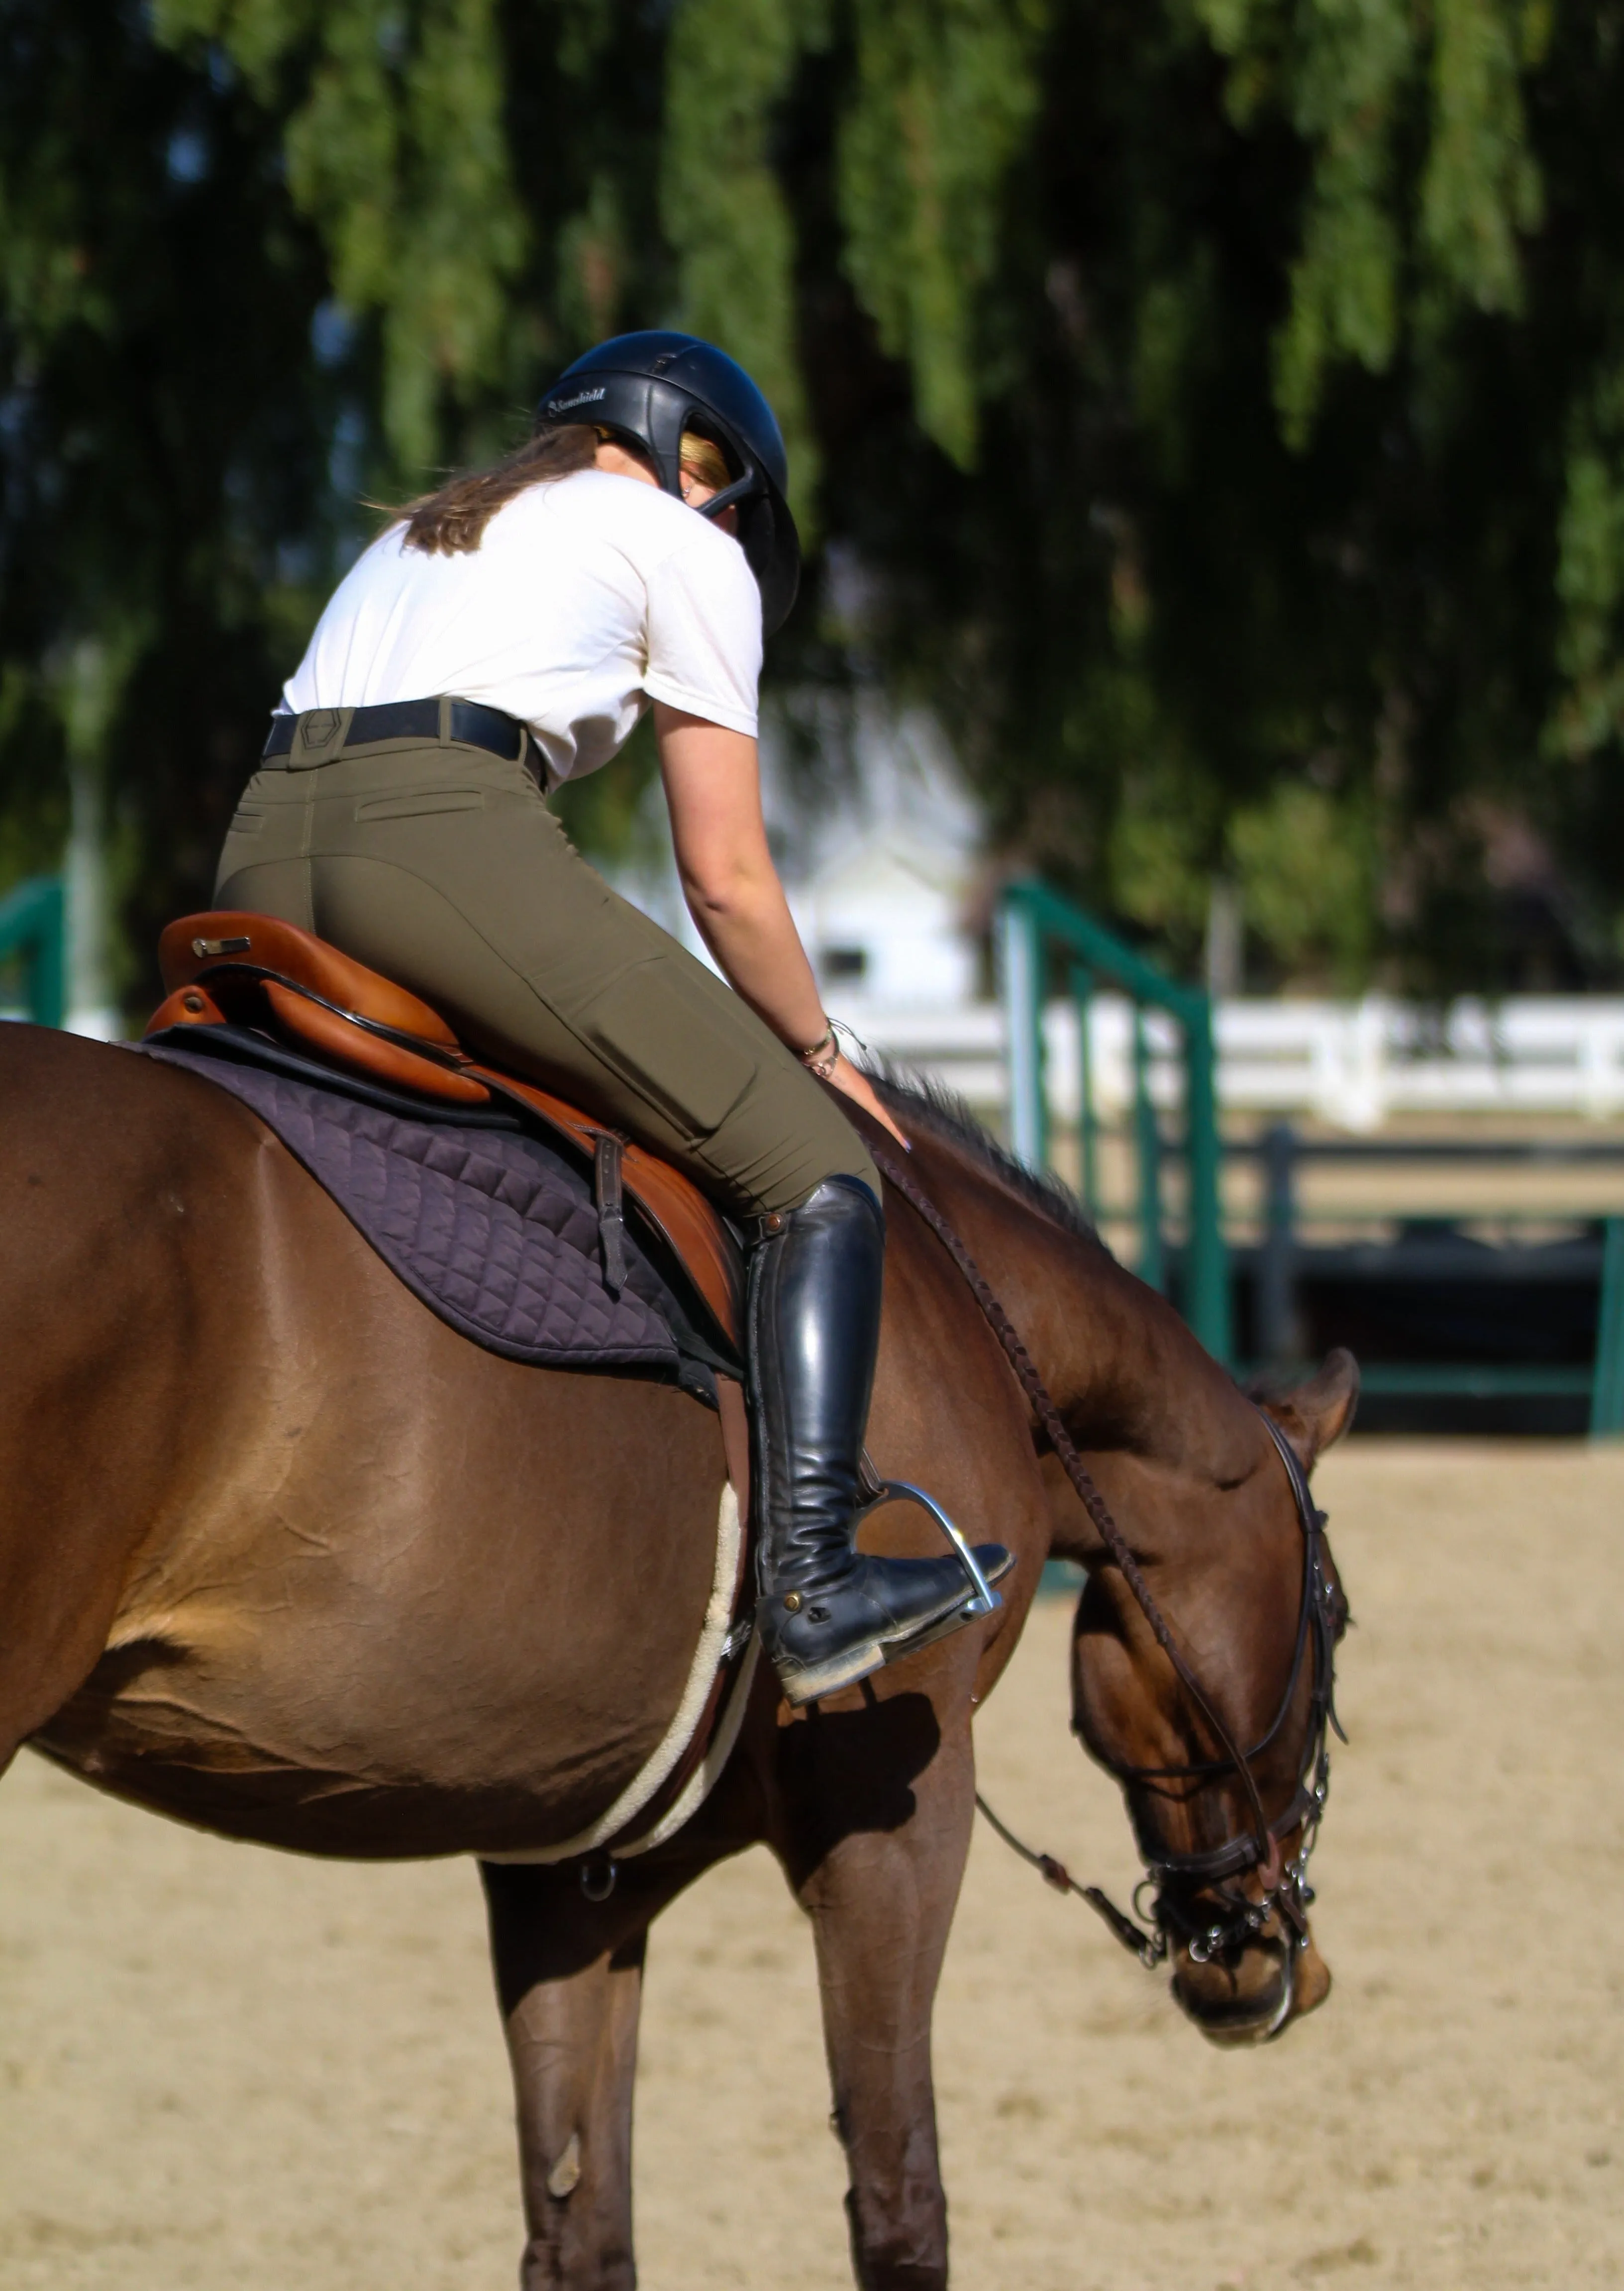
651, 387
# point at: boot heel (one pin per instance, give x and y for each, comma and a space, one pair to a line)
842, 1669
972, 1611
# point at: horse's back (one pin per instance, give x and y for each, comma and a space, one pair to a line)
356, 1586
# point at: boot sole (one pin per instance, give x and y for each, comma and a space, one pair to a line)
862, 1662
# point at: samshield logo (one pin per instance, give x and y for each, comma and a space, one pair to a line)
582, 397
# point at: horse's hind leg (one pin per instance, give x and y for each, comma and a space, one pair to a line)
569, 1978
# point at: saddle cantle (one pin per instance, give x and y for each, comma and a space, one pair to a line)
232, 969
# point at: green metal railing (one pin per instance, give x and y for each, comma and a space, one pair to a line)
1037, 929
33, 927
1043, 938
1607, 1383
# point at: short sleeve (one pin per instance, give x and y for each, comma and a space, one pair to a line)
704, 632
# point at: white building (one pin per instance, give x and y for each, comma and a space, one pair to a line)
877, 844
877, 840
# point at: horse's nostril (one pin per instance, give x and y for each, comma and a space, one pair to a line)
1248, 1997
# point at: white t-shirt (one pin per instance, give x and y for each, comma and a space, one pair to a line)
588, 597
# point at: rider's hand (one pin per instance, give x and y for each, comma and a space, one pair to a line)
854, 1084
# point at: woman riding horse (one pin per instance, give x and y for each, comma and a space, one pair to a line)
506, 634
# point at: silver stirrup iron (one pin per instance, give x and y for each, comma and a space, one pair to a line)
985, 1600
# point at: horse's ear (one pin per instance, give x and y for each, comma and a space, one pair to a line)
1319, 1412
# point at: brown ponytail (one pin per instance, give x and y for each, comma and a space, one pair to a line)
450, 522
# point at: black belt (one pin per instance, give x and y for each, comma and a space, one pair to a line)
470, 722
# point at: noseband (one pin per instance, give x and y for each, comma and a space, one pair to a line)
1196, 1903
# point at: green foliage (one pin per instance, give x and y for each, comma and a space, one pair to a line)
1365, 83
1480, 186
1589, 718
728, 69
1304, 485
163, 456
1344, 282
1305, 866
397, 153
1213, 408
945, 90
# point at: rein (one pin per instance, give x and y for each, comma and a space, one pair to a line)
1285, 1889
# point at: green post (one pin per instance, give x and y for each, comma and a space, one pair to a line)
33, 924
1147, 1141
1088, 1136
1206, 1303
48, 973
1021, 952
1607, 1385
1034, 918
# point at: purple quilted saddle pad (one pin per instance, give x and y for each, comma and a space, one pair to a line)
491, 1228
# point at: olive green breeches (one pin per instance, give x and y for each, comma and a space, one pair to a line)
441, 866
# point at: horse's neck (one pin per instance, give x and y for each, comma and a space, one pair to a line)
1118, 1363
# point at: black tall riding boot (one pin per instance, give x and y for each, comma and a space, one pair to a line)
829, 1615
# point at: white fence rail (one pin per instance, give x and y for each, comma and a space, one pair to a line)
1352, 1064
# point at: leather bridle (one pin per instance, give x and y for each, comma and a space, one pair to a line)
1195, 1893
1197, 1904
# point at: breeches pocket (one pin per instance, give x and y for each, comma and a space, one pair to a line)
660, 1033
419, 803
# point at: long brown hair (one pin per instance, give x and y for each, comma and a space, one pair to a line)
452, 522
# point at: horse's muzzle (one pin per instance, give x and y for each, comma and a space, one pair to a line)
1250, 1995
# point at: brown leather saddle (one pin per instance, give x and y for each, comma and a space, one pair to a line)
253, 971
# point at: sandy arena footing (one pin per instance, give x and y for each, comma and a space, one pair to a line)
222, 2065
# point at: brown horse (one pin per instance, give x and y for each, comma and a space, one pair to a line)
282, 1555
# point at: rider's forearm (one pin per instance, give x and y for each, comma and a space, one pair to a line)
748, 928
734, 895
713, 790
751, 932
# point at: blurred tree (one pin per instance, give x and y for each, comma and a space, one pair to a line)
166, 435
1214, 407
1294, 549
